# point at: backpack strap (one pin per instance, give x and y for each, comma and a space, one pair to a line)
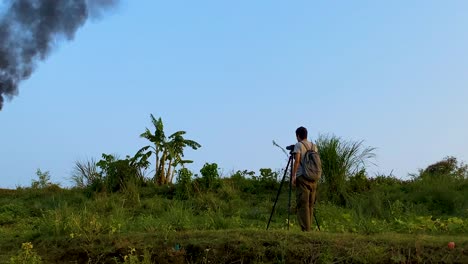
306, 146
300, 161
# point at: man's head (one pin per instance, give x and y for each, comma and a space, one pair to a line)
301, 133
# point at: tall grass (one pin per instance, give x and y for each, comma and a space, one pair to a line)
85, 173
341, 159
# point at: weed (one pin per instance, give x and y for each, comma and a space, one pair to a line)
26, 255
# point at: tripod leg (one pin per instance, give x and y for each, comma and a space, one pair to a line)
316, 221
279, 191
315, 216
290, 190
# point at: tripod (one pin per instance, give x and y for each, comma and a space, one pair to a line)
289, 196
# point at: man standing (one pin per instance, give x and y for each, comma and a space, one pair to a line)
305, 189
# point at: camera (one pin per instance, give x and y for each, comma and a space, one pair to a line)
290, 148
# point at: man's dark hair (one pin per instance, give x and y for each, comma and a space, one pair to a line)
301, 132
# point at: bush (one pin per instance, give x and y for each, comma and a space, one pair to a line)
243, 181
438, 195
383, 180
359, 183
268, 179
117, 172
44, 180
12, 212
448, 167
26, 255
248, 182
441, 187
184, 184
210, 177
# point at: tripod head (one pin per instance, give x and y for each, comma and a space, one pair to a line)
291, 149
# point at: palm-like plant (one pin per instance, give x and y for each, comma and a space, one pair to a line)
176, 147
168, 153
340, 160
158, 139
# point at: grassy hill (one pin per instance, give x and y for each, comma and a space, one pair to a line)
225, 224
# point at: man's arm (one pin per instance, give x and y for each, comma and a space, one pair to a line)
297, 161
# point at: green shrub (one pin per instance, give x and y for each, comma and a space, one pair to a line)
248, 182
117, 172
243, 181
268, 179
184, 184
448, 167
441, 187
359, 182
133, 258
26, 256
44, 180
210, 179
383, 180
12, 212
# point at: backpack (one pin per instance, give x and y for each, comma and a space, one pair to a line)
311, 164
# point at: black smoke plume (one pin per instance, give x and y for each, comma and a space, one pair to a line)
28, 30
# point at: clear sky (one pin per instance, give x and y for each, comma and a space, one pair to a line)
238, 74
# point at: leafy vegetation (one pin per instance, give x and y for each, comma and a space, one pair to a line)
116, 214
342, 160
85, 173
168, 152
43, 180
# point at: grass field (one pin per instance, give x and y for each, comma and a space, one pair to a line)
152, 225
115, 214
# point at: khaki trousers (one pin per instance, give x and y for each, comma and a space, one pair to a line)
305, 200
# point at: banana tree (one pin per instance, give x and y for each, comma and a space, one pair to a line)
175, 149
167, 152
158, 139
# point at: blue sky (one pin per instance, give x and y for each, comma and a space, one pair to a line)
238, 74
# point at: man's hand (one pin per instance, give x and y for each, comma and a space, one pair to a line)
297, 161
